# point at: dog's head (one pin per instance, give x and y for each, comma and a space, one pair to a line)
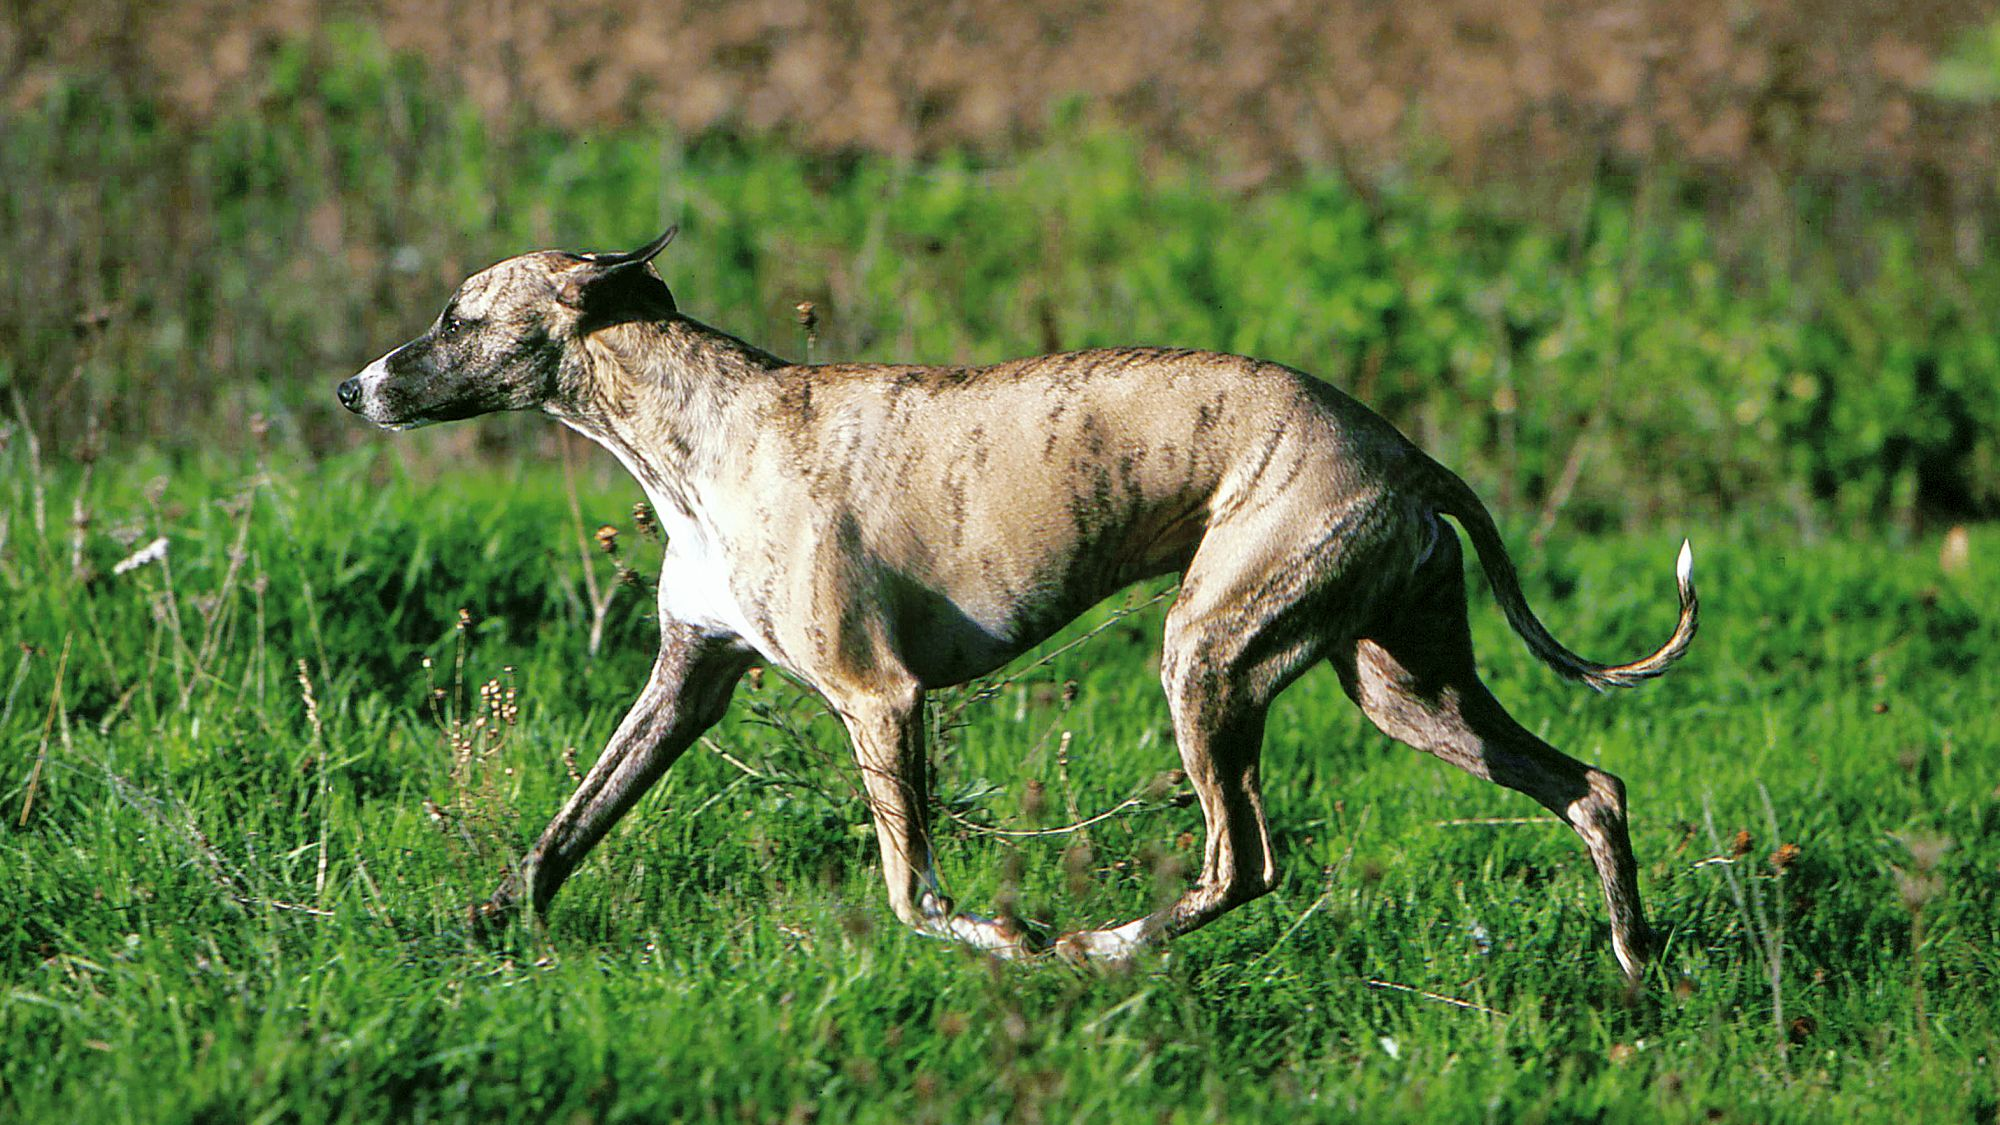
500, 341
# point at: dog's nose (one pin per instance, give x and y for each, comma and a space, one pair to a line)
349, 392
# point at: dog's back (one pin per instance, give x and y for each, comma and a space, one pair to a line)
1016, 495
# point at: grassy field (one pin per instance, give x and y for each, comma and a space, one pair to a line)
282, 695
240, 817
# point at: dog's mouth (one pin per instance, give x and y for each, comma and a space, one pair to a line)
363, 396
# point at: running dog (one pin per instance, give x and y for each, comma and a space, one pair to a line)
883, 530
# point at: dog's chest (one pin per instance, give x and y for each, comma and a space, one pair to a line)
695, 588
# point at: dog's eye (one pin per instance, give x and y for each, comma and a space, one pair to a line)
451, 325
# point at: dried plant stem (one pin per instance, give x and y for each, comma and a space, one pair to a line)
79, 521
1775, 932
1077, 826
217, 619
1756, 923
253, 669
599, 599
1297, 923
981, 692
171, 601
1392, 986
711, 746
34, 467
322, 789
1917, 886
48, 724
1332, 875
1919, 1002
1068, 788
179, 822
769, 777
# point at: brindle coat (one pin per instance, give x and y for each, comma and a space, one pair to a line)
883, 530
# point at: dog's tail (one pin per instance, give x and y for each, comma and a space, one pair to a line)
1454, 497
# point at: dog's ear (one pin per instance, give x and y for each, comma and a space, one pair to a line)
602, 273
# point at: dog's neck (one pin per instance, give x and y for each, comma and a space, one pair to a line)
660, 395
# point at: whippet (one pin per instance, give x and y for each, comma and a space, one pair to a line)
883, 530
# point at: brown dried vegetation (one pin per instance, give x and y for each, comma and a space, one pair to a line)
1506, 89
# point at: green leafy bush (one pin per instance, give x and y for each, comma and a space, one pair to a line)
1614, 361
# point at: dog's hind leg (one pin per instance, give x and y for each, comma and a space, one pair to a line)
687, 692
885, 721
1412, 673
1249, 618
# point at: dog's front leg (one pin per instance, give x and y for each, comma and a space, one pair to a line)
886, 723
687, 692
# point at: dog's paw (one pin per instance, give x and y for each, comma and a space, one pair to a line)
1006, 937
1112, 948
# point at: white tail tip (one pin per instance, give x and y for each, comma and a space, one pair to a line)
1684, 566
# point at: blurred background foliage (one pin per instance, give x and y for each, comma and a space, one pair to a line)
1612, 261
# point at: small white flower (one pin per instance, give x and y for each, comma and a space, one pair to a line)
145, 556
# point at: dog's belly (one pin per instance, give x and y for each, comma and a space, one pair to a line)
945, 642
952, 649
968, 615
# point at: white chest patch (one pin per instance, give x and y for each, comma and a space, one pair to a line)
694, 574
694, 587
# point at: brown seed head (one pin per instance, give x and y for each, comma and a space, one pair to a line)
1927, 850
1955, 556
1076, 862
1163, 785
1916, 890
642, 518
1784, 857
856, 923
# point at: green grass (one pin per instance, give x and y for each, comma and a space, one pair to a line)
226, 904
